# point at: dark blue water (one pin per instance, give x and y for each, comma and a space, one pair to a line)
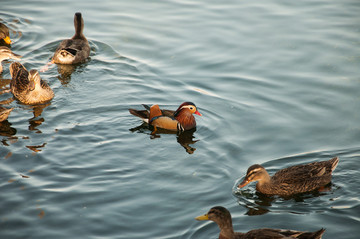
277, 83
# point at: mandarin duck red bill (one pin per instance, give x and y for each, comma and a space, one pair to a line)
179, 120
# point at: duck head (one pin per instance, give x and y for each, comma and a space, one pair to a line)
217, 214
184, 115
255, 173
34, 79
4, 33
187, 107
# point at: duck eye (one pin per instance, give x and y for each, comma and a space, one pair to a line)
191, 107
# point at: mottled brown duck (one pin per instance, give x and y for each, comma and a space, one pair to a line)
292, 180
76, 49
222, 217
4, 113
6, 53
28, 87
4, 34
180, 120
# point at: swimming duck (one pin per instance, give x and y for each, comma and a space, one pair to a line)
292, 180
76, 49
4, 113
28, 87
6, 53
180, 120
222, 217
4, 33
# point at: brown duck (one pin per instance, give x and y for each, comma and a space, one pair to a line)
76, 49
292, 180
6, 53
222, 217
180, 120
4, 34
28, 87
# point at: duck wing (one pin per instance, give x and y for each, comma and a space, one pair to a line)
281, 233
20, 80
306, 172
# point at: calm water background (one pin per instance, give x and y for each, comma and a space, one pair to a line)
277, 83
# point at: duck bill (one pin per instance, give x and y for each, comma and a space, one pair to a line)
244, 183
7, 40
202, 218
198, 113
32, 85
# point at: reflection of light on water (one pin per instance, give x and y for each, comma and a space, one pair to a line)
203, 91
340, 207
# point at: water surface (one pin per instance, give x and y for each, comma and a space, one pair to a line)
277, 83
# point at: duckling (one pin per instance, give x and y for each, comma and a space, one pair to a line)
6, 53
4, 113
28, 87
4, 34
180, 120
292, 180
222, 217
76, 49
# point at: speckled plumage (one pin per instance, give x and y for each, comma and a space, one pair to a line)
28, 87
74, 50
292, 180
222, 217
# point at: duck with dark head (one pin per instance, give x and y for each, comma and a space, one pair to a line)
222, 217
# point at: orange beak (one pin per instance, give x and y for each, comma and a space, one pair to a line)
7, 40
243, 183
198, 113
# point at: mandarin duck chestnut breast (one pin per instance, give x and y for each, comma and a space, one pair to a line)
222, 217
292, 180
180, 120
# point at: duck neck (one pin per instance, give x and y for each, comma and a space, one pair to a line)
226, 230
79, 27
186, 119
265, 181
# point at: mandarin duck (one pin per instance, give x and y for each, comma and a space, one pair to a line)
4, 113
4, 34
180, 120
6, 53
222, 217
76, 49
292, 180
28, 87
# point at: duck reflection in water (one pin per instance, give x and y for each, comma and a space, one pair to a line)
258, 203
185, 139
37, 120
6, 129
